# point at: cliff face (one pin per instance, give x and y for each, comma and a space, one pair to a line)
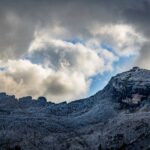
118, 117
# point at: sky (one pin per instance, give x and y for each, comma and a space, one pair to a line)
69, 49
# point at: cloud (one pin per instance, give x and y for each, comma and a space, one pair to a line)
144, 59
60, 54
15, 35
57, 69
20, 19
24, 78
39, 35
67, 86
123, 38
21, 77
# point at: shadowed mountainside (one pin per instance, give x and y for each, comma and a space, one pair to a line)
117, 117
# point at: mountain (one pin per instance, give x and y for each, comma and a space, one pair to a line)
117, 117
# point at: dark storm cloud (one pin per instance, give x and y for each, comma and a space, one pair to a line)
76, 16
139, 16
18, 20
144, 58
78, 13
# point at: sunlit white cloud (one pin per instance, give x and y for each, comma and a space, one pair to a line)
63, 71
123, 38
24, 78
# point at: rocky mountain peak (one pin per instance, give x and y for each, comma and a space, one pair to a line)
131, 87
135, 68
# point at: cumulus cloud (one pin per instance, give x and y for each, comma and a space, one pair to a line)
60, 54
24, 78
123, 38
55, 68
21, 77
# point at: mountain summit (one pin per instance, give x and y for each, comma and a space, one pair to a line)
117, 117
